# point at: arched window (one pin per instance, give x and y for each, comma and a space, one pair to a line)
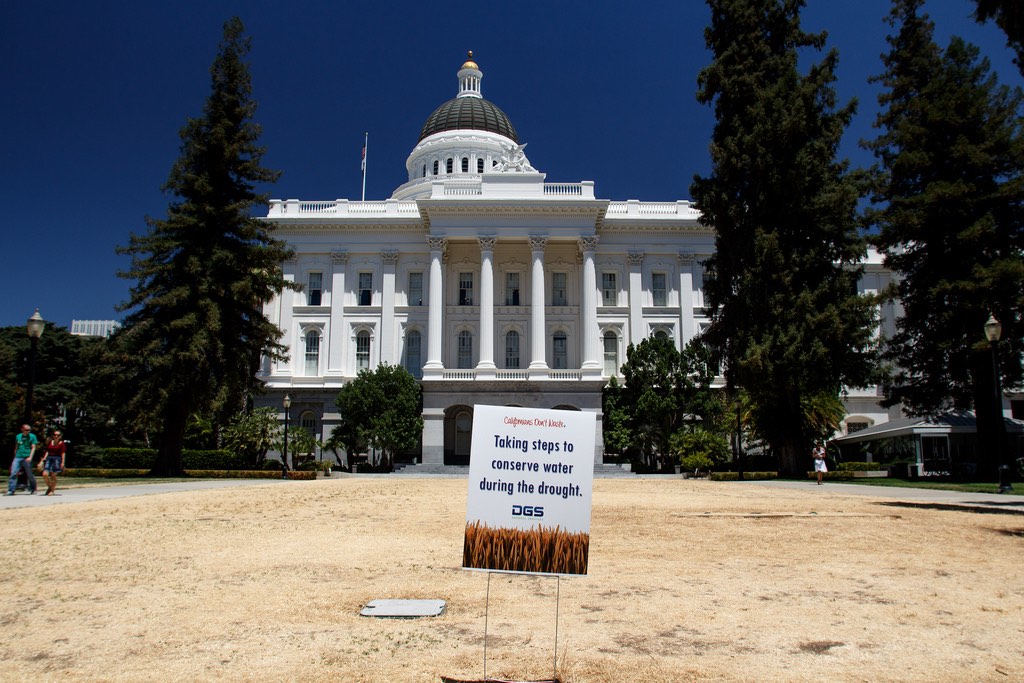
413, 362
611, 354
465, 350
424, 171
465, 164
661, 334
312, 368
448, 166
363, 351
479, 165
512, 350
435, 166
308, 422
559, 351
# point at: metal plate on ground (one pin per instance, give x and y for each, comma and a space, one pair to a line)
403, 609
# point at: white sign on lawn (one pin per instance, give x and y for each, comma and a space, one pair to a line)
531, 475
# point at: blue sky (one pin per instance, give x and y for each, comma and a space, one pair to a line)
96, 92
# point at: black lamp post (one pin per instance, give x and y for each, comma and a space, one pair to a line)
35, 327
994, 330
739, 438
284, 452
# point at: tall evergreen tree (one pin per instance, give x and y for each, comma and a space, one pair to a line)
1009, 16
949, 189
782, 283
196, 327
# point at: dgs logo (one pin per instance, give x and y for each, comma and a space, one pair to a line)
527, 511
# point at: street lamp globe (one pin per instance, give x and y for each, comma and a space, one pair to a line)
993, 329
35, 325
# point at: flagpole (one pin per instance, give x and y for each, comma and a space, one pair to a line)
366, 141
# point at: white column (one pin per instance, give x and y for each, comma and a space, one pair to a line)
386, 350
287, 319
635, 259
537, 324
486, 362
588, 309
688, 326
336, 340
434, 367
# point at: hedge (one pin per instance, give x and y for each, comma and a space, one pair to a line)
138, 458
747, 476
860, 466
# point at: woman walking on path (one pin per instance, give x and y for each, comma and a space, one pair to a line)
819, 462
53, 462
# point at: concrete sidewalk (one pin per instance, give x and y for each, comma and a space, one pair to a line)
993, 503
927, 498
84, 494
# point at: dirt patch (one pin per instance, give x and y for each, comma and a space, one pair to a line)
689, 580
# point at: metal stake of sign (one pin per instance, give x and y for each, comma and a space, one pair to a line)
558, 599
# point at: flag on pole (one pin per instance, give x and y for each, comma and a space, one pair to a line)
366, 142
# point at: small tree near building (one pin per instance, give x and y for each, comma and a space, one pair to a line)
381, 408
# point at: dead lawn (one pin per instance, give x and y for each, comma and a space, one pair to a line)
689, 580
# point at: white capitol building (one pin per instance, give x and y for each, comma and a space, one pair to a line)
489, 284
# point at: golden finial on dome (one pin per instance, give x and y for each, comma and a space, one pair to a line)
470, 64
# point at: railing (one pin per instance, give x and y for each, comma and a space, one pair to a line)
512, 374
564, 189
633, 207
515, 375
341, 208
464, 188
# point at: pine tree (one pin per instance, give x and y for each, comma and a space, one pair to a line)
1009, 16
196, 329
949, 189
782, 283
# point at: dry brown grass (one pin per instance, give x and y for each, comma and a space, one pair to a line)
688, 580
541, 549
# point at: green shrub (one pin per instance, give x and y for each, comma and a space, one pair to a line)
747, 476
103, 472
860, 466
213, 460
271, 464
127, 458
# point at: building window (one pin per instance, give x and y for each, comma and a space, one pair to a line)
609, 293
511, 289
424, 171
415, 289
465, 350
558, 297
661, 334
435, 166
559, 351
465, 289
413, 362
362, 351
479, 165
852, 427
465, 164
611, 354
312, 354
365, 289
512, 350
314, 289
308, 422
448, 166
658, 290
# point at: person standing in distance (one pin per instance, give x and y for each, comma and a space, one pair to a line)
53, 462
819, 462
24, 448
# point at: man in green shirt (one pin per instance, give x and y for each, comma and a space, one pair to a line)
24, 448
